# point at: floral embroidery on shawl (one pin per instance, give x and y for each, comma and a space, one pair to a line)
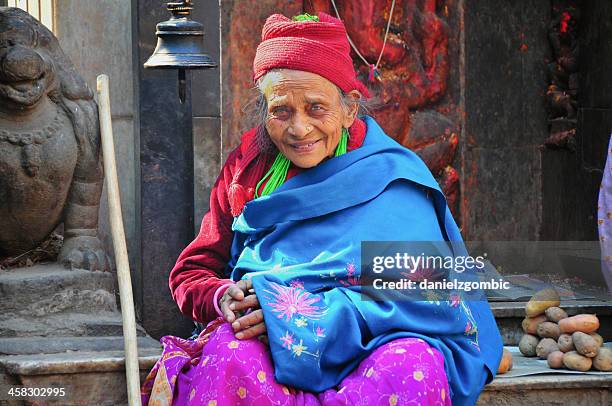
294, 304
289, 301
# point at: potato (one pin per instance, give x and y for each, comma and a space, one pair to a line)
555, 360
555, 314
585, 344
603, 359
528, 344
574, 361
587, 323
505, 364
597, 338
548, 329
541, 301
565, 343
545, 347
530, 324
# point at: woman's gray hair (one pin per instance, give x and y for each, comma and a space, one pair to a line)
256, 111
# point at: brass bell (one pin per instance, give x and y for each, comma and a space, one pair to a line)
180, 44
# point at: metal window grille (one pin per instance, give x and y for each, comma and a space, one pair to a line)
42, 10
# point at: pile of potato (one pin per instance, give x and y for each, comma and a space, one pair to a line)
563, 341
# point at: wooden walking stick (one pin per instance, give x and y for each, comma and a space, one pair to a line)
121, 257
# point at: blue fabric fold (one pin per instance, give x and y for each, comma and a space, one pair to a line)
300, 246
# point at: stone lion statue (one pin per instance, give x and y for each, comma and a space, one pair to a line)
50, 164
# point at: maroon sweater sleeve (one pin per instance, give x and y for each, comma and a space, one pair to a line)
199, 269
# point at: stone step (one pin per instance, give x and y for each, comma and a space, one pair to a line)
509, 316
549, 390
88, 377
531, 380
54, 345
45, 289
63, 324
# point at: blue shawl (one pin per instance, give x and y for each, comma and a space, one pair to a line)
300, 246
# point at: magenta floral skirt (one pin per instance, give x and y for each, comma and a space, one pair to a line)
218, 369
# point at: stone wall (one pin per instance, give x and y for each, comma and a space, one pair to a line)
506, 47
99, 40
206, 111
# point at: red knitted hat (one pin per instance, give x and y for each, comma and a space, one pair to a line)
319, 47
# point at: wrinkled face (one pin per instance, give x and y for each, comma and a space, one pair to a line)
305, 115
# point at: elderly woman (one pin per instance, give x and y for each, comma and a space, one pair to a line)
275, 268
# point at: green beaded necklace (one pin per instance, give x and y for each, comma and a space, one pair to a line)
277, 173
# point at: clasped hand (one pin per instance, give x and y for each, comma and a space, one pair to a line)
236, 300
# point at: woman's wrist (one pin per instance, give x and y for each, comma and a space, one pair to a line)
218, 295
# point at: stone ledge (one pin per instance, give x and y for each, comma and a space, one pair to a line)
64, 324
50, 288
550, 381
89, 378
36, 275
53, 345
74, 362
572, 307
548, 390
